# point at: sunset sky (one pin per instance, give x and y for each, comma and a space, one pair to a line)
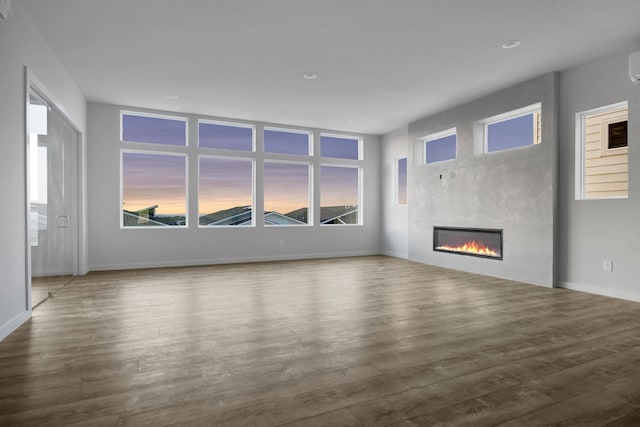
286, 187
338, 186
154, 179
224, 184
154, 130
159, 179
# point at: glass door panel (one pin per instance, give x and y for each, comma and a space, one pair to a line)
51, 140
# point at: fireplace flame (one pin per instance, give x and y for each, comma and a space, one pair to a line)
471, 247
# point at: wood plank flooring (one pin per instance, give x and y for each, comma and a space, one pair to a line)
334, 342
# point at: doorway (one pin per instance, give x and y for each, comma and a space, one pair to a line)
52, 155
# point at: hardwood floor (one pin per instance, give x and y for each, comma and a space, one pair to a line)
39, 290
332, 342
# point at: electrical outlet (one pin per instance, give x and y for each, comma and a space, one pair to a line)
607, 265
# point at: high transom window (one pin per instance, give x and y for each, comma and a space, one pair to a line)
514, 129
440, 146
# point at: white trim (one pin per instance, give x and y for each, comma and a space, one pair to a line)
396, 180
361, 209
580, 145
123, 151
395, 254
155, 116
579, 158
32, 84
360, 191
44, 93
15, 323
222, 261
27, 202
607, 292
512, 114
503, 117
605, 109
436, 137
227, 124
439, 135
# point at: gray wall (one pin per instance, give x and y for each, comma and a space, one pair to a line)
591, 231
513, 190
395, 219
21, 44
110, 247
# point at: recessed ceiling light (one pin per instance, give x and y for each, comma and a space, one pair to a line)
511, 44
310, 76
171, 96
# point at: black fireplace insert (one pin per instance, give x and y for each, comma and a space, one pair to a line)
479, 242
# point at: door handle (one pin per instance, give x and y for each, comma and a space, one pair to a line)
62, 221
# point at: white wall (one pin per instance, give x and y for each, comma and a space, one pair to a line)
395, 219
21, 44
513, 190
111, 247
591, 231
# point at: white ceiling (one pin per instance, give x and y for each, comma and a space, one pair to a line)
381, 63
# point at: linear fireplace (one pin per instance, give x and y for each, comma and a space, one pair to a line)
480, 242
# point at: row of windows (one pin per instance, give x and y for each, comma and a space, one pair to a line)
172, 131
518, 128
602, 156
155, 174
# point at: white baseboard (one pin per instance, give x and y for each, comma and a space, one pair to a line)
216, 261
14, 324
607, 292
394, 254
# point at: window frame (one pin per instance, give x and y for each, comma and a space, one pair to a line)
228, 124
123, 151
359, 140
310, 141
192, 152
152, 148
397, 181
580, 149
155, 116
434, 137
506, 116
344, 164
